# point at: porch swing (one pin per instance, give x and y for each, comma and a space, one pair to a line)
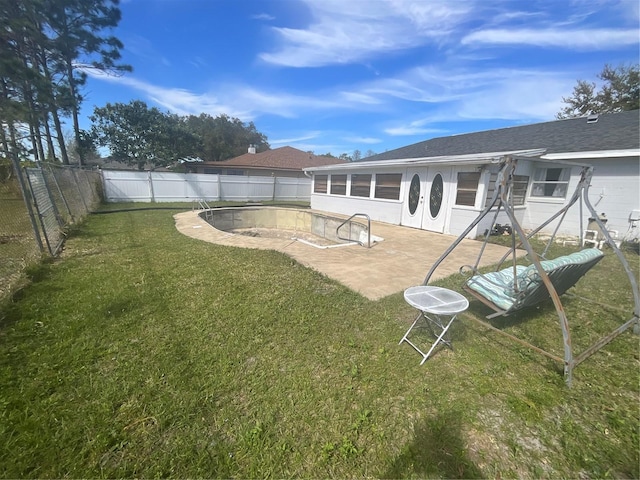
516, 287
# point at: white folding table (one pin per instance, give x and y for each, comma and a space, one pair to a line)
439, 307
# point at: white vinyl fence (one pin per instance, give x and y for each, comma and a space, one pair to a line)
133, 186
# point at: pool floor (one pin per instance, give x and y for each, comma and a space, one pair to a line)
283, 234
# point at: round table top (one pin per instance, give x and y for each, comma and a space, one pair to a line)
436, 300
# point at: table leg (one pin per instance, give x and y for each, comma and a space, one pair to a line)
440, 337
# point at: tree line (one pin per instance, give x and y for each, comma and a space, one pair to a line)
46, 49
141, 136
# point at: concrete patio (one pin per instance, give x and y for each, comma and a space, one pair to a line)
400, 261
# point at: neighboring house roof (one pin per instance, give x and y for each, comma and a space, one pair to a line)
615, 131
283, 158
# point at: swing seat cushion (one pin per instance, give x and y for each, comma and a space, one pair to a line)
497, 287
500, 289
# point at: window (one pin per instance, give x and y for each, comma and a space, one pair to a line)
550, 182
338, 184
360, 185
467, 188
415, 190
320, 183
388, 186
435, 195
518, 189
213, 171
235, 171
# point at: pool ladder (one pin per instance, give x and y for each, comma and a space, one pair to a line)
348, 220
203, 205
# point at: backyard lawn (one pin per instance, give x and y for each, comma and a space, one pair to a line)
144, 353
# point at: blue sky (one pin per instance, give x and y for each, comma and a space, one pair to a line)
340, 75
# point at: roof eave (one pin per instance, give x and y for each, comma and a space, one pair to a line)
468, 159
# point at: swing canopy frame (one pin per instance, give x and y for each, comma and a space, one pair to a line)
517, 287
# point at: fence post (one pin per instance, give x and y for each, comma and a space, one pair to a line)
273, 193
27, 200
151, 194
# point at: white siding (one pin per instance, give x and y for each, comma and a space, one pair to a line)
615, 190
388, 211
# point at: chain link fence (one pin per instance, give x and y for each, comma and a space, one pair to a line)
36, 206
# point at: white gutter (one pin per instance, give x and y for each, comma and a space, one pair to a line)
631, 152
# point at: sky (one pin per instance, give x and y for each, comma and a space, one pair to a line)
335, 76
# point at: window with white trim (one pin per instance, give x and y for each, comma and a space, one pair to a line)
338, 184
519, 186
550, 182
388, 186
320, 183
360, 185
467, 188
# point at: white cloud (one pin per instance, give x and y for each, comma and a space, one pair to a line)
456, 95
199, 62
142, 47
366, 140
592, 39
288, 141
341, 32
360, 98
240, 101
263, 16
409, 130
524, 96
344, 32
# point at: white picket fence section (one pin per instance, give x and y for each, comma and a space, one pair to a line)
133, 186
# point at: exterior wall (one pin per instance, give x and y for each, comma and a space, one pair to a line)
614, 191
381, 210
462, 216
388, 211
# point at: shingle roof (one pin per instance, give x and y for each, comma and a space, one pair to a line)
283, 158
616, 131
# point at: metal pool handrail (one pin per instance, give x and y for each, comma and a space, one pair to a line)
349, 220
203, 205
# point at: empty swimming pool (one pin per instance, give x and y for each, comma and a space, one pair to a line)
307, 226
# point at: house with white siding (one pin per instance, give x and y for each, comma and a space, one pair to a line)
442, 184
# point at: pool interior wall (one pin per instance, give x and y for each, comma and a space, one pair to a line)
290, 219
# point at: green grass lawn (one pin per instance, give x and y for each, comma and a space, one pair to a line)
145, 353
